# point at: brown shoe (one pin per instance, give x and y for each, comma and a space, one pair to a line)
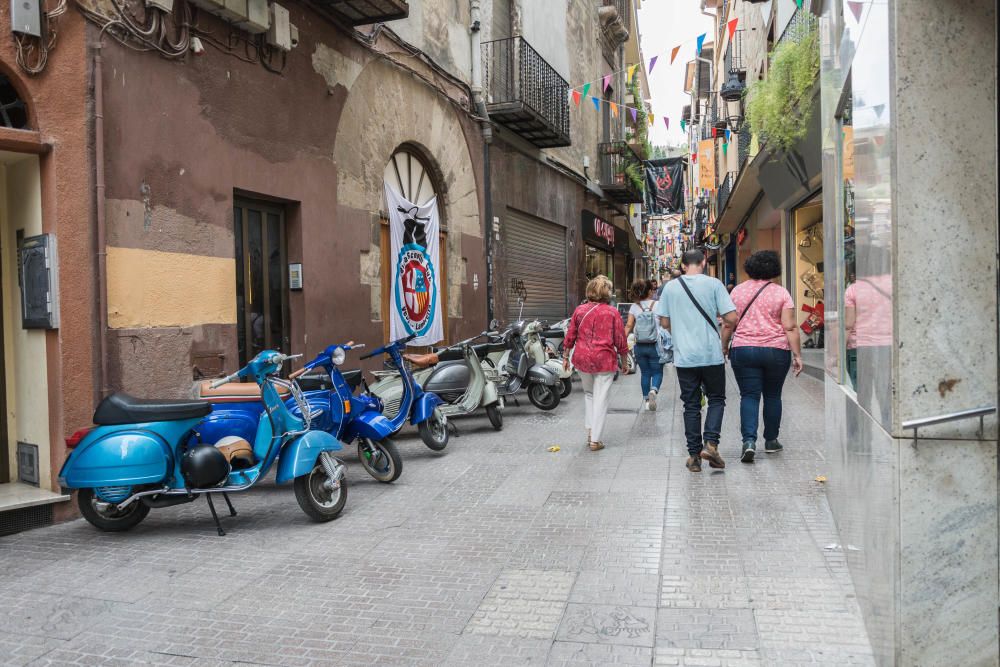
596, 446
694, 464
711, 454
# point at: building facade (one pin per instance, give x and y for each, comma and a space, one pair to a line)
213, 177
911, 295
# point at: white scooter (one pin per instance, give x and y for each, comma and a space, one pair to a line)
535, 345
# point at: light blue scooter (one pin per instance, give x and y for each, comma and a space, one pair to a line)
142, 455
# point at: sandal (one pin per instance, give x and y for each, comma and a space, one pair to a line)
596, 446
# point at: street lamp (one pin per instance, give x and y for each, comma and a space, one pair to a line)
732, 94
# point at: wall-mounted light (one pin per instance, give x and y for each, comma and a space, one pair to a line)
732, 94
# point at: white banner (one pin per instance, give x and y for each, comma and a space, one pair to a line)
415, 306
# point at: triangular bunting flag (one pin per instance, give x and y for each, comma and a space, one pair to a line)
715, 133
597, 103
683, 123
724, 148
701, 42
614, 109
651, 118
694, 157
856, 8
879, 108
586, 89
607, 82
576, 97
673, 53
765, 12
666, 122
732, 27
727, 135
635, 113
631, 72
652, 63
798, 3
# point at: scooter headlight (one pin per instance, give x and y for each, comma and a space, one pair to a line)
339, 356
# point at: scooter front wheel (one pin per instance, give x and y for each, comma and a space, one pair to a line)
434, 431
543, 396
381, 459
567, 387
317, 495
106, 516
496, 417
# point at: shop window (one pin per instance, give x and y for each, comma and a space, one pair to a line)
13, 111
808, 274
261, 288
848, 351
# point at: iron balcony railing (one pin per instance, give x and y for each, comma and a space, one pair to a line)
620, 172
524, 93
363, 12
725, 189
798, 27
744, 145
734, 54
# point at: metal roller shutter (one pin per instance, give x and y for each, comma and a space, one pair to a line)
536, 256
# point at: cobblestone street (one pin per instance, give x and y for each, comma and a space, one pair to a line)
496, 552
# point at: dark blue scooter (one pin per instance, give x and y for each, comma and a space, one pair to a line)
334, 408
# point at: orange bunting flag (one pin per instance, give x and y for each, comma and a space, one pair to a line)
614, 109
673, 53
732, 27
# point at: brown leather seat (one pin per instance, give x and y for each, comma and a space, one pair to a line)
234, 392
422, 360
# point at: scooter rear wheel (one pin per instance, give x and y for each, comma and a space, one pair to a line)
104, 515
317, 500
543, 397
434, 431
381, 459
495, 415
567, 387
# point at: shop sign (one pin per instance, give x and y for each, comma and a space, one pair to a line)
706, 164
597, 231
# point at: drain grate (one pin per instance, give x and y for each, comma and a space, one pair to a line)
25, 518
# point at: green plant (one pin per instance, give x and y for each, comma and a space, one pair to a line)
780, 106
638, 130
633, 173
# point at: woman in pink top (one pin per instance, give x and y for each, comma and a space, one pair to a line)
596, 337
765, 343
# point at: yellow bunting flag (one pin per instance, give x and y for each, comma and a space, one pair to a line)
631, 72
652, 118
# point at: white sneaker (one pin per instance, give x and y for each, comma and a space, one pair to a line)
651, 401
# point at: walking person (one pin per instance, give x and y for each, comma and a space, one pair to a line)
765, 344
642, 321
688, 309
596, 337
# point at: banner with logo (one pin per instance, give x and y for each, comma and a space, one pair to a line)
665, 185
416, 279
706, 164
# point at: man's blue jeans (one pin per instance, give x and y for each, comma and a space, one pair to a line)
760, 371
692, 380
650, 368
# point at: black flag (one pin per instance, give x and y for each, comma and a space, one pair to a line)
665, 185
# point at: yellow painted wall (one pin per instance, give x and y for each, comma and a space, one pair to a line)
149, 288
24, 350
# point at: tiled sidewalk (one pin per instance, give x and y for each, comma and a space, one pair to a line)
497, 552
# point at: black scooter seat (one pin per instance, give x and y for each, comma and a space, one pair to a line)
120, 408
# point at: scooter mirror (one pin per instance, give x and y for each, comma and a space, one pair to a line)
494, 324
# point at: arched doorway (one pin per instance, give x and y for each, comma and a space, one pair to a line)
411, 176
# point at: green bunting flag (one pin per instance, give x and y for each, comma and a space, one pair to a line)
586, 89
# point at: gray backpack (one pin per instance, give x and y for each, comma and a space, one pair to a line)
645, 326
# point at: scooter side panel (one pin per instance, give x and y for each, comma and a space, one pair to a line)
239, 419
299, 457
424, 407
543, 375
368, 424
124, 455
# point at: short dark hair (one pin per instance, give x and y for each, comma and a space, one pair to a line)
763, 265
692, 257
641, 289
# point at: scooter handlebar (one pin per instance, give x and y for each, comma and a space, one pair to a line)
221, 381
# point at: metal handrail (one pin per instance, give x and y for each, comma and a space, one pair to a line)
916, 424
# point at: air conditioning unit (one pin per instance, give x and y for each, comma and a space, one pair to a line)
279, 34
166, 5
258, 17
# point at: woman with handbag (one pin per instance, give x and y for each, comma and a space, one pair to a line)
762, 345
596, 338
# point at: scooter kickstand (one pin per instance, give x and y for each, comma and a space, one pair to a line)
211, 506
454, 429
232, 510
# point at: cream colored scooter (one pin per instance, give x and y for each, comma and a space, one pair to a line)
534, 344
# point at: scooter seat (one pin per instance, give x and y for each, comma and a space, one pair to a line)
234, 392
353, 378
422, 360
121, 408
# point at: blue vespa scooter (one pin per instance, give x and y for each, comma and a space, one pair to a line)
141, 455
236, 409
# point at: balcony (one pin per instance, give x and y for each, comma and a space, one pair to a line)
744, 145
524, 93
362, 12
725, 189
620, 172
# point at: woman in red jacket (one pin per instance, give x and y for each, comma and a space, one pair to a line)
596, 337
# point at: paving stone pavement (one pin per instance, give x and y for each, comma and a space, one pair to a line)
494, 552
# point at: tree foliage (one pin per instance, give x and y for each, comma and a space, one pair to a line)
779, 107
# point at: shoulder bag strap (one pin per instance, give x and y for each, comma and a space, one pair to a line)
747, 310
697, 305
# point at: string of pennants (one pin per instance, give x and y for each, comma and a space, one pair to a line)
579, 93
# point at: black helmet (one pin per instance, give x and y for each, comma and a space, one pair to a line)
204, 466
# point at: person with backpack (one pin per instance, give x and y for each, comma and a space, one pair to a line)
642, 321
688, 310
765, 344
